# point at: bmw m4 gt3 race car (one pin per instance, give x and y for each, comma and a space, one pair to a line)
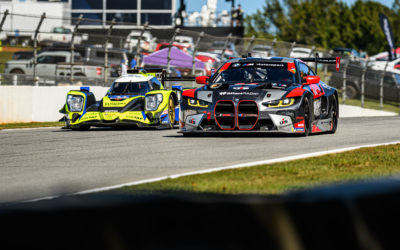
274, 94
136, 99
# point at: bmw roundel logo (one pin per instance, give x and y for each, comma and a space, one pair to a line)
236, 99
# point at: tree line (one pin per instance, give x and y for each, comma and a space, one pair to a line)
325, 23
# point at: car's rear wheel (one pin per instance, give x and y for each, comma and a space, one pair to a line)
171, 111
307, 116
334, 115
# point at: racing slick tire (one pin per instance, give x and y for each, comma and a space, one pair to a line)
82, 128
307, 116
334, 115
171, 112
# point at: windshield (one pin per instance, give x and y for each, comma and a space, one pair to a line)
136, 37
62, 30
129, 88
256, 74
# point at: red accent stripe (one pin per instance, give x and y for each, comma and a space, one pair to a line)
225, 66
295, 92
337, 64
291, 67
315, 129
189, 93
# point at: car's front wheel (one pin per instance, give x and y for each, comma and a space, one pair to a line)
171, 112
334, 115
307, 116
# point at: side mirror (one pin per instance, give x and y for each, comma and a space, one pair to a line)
311, 80
202, 79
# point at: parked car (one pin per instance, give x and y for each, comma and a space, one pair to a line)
186, 41
60, 34
22, 55
54, 63
217, 47
352, 53
391, 83
148, 42
391, 65
301, 52
262, 51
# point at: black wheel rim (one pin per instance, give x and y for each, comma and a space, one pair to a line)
334, 116
171, 111
306, 118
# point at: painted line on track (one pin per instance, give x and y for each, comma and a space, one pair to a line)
204, 171
27, 129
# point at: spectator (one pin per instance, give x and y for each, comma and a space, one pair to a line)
233, 16
363, 54
239, 16
124, 68
133, 63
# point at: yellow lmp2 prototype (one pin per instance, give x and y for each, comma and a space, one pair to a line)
137, 99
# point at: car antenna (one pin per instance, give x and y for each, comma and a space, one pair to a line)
316, 66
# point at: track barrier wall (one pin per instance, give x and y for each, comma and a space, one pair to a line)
36, 103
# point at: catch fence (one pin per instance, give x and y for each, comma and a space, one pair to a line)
96, 57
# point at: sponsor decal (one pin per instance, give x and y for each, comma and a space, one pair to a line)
271, 65
291, 67
165, 112
283, 123
133, 117
261, 64
248, 65
110, 110
241, 88
299, 126
238, 93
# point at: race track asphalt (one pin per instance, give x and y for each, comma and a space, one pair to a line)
42, 162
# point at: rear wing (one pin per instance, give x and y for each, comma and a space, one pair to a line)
161, 75
325, 60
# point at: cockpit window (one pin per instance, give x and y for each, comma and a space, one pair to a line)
129, 88
269, 73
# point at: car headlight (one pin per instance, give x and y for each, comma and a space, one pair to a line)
75, 103
280, 103
153, 101
197, 103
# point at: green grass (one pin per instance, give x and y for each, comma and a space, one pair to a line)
372, 104
30, 125
277, 178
